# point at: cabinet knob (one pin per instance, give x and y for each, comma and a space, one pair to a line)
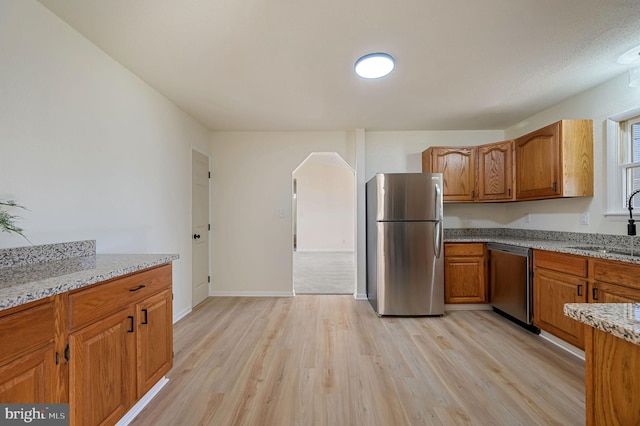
196, 236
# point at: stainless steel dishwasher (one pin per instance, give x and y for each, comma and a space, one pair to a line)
511, 283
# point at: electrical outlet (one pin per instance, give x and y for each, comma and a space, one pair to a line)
584, 218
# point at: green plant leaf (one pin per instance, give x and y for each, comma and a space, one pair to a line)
8, 220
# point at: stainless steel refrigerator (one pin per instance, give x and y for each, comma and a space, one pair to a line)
405, 256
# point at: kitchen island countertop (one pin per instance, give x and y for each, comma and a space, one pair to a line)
618, 319
41, 275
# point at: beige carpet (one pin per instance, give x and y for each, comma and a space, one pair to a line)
324, 272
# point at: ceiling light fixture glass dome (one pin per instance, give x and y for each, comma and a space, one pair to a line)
375, 65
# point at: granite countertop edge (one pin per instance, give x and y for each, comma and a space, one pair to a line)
621, 320
32, 286
549, 245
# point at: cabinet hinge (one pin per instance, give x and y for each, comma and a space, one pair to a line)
67, 353
57, 358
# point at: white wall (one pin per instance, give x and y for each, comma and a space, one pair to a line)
252, 205
90, 149
251, 187
325, 204
599, 103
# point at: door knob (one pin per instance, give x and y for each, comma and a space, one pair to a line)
196, 236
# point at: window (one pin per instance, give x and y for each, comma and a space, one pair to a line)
630, 159
623, 162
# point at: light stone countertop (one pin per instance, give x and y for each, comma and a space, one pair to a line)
577, 247
619, 319
34, 278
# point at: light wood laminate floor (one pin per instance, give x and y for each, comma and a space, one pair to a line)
329, 360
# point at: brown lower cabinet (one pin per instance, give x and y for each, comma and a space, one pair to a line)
466, 273
99, 348
29, 370
561, 278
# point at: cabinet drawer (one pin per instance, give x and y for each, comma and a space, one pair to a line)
561, 262
92, 303
26, 329
626, 274
464, 249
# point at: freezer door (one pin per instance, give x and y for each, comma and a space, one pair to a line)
405, 196
410, 274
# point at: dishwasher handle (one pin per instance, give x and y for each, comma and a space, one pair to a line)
506, 248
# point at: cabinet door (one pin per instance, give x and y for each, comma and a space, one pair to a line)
538, 166
495, 172
30, 378
465, 280
551, 291
612, 293
102, 370
154, 340
458, 168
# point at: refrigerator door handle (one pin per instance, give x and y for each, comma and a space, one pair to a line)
438, 203
437, 241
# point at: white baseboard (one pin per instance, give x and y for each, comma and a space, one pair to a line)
360, 296
136, 409
467, 307
562, 344
252, 293
177, 317
325, 250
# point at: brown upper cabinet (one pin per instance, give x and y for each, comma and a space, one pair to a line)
495, 171
552, 162
555, 161
482, 173
458, 166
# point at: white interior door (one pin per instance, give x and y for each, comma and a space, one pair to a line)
200, 226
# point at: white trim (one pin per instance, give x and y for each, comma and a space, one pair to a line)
177, 317
620, 217
146, 399
252, 294
562, 344
360, 296
467, 307
614, 184
614, 179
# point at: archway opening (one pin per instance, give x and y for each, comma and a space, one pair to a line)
323, 189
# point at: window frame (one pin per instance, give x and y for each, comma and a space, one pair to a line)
616, 168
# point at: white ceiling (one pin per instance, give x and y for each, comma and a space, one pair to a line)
288, 64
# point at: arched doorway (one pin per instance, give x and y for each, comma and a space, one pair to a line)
323, 225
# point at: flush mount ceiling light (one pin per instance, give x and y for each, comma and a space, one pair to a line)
375, 65
632, 58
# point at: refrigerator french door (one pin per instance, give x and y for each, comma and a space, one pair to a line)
405, 258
